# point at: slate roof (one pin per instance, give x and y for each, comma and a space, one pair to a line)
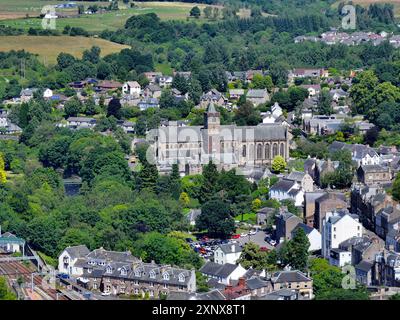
296, 176
364, 266
289, 276
257, 93
77, 251
256, 283
283, 185
374, 168
227, 248
218, 270
212, 295
307, 229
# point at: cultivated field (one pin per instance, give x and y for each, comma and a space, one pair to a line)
16, 14
48, 47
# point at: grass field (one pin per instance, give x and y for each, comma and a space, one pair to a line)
48, 47
14, 14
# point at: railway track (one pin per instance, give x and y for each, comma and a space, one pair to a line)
13, 270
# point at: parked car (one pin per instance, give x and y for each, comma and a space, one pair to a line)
63, 276
264, 249
253, 232
106, 293
243, 235
272, 242
235, 236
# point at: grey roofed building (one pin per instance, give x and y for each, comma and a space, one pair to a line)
227, 248
283, 185
212, 295
289, 276
218, 270
364, 266
78, 251
257, 93
256, 283
296, 176
283, 294
307, 229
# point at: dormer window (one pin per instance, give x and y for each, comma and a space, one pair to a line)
89, 270
137, 273
166, 276
109, 269
152, 274
181, 278
123, 272
92, 262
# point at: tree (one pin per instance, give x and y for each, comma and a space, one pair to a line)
208, 187
396, 188
3, 176
324, 103
114, 108
216, 219
184, 199
246, 114
73, 107
195, 12
278, 164
5, 293
298, 250
207, 12
148, 176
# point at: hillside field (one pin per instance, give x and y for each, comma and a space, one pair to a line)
396, 4
48, 47
12, 13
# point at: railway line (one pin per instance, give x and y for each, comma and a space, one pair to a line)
13, 270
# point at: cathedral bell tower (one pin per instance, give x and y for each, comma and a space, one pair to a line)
212, 126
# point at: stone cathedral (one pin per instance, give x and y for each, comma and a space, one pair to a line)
228, 146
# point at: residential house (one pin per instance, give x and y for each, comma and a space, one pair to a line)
313, 236
127, 126
68, 258
152, 91
108, 85
374, 174
322, 125
223, 274
81, 122
309, 206
338, 94
227, 253
47, 93
367, 201
132, 88
152, 76
27, 94
313, 89
338, 226
287, 189
212, 96
264, 213
148, 103
362, 154
257, 96
329, 201
293, 280
192, 216
388, 269
235, 94
165, 81
285, 223
121, 273
387, 219
303, 179
6, 126
238, 292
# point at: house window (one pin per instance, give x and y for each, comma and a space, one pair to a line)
151, 293
137, 273
89, 270
165, 286
123, 272
166, 276
152, 274
94, 286
181, 278
109, 269
180, 288
136, 291
151, 284
136, 283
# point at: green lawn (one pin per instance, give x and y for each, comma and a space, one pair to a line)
96, 22
247, 217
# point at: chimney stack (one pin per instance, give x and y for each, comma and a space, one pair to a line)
242, 282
